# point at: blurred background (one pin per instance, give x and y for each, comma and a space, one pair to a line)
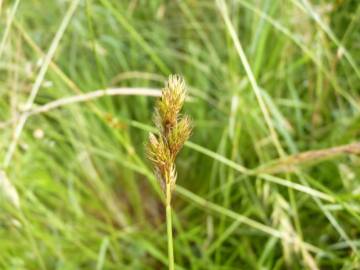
270, 178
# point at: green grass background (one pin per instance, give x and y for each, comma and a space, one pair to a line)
88, 197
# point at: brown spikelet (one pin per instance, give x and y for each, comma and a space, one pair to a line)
173, 131
169, 105
179, 134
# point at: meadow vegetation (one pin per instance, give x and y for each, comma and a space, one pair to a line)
270, 178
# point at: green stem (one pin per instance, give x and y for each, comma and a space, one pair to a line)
169, 228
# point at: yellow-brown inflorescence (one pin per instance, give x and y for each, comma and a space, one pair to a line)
174, 130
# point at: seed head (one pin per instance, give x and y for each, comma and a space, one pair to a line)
179, 134
169, 105
173, 131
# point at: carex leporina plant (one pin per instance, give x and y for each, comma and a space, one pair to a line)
173, 131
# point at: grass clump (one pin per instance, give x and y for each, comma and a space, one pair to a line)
270, 178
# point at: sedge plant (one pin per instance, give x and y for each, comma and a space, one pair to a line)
173, 131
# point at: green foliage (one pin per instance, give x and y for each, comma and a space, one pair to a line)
88, 197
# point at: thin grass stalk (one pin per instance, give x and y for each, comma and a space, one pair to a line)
169, 228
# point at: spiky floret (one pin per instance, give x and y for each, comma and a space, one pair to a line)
178, 135
173, 131
169, 105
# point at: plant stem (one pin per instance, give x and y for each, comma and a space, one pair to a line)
169, 228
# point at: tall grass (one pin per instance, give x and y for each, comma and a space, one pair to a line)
162, 149
270, 178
